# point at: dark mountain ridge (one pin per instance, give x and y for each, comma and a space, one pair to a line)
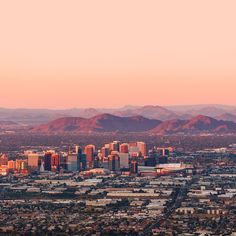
99, 123
111, 123
198, 124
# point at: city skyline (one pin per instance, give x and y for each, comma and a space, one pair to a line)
108, 54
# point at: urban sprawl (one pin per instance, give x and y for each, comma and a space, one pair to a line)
118, 189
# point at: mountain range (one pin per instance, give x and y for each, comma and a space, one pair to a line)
196, 125
151, 119
110, 123
151, 112
40, 116
99, 123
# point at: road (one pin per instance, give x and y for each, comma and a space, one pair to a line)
179, 195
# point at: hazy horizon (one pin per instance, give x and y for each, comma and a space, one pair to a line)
123, 106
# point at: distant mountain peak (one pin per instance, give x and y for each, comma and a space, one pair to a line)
100, 123
197, 124
202, 118
148, 111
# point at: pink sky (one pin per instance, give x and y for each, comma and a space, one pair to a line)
62, 54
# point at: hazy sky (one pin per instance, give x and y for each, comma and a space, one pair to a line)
108, 53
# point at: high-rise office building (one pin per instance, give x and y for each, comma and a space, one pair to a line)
105, 152
142, 148
124, 160
11, 165
89, 151
55, 162
3, 159
114, 162
79, 153
83, 163
33, 161
77, 149
115, 146
124, 148
47, 161
62, 161
72, 162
